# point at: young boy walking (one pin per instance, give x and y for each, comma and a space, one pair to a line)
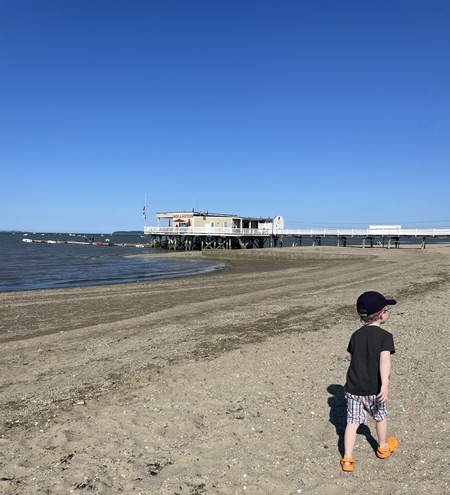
367, 385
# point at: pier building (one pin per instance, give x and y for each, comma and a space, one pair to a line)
192, 230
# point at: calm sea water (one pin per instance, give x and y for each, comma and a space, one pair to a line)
40, 265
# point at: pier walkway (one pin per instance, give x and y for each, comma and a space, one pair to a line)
199, 238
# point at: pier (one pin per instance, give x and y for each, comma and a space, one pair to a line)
199, 239
188, 231
87, 243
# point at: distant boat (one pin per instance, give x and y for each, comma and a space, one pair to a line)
27, 240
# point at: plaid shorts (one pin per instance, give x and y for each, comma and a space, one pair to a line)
359, 405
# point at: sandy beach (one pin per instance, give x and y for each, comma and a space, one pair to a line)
227, 383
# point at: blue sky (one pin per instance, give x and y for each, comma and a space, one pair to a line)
329, 113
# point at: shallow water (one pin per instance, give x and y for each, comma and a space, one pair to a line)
43, 265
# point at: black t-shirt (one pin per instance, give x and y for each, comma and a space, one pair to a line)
365, 346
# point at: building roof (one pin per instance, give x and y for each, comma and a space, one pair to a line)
186, 214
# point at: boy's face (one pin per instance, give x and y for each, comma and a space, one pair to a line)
384, 316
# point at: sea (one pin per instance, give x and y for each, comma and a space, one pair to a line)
62, 260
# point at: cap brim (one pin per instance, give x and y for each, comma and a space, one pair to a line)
391, 302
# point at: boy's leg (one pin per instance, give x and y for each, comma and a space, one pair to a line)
386, 445
350, 439
382, 433
355, 416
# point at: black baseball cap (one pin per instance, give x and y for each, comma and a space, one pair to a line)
371, 302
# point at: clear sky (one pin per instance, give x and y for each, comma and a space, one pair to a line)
329, 113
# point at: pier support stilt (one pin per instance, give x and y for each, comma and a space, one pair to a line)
395, 241
367, 239
317, 240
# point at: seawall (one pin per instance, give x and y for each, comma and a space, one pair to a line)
292, 253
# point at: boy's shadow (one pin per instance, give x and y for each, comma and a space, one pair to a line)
338, 418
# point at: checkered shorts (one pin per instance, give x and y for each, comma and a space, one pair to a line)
359, 405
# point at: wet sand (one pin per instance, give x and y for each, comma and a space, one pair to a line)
227, 383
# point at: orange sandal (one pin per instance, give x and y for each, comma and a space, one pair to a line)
348, 467
392, 444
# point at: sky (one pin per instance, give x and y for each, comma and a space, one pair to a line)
328, 113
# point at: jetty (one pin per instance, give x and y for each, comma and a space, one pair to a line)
87, 243
204, 230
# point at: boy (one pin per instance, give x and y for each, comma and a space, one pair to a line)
367, 386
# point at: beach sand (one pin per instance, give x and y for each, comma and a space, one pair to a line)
220, 384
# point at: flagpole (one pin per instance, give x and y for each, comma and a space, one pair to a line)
144, 210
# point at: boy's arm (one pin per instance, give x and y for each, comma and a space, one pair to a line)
385, 372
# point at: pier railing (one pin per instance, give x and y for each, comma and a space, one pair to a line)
205, 231
371, 232
379, 232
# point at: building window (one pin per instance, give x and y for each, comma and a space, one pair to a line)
225, 224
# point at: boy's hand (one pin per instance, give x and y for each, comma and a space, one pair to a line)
385, 373
383, 396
